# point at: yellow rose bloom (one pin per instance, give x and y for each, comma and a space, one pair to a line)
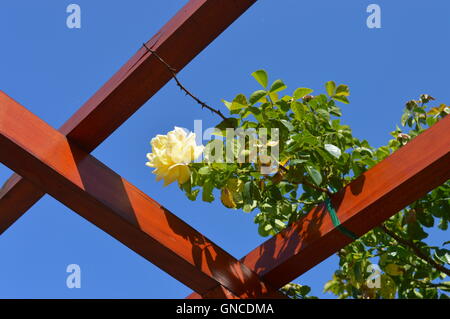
171, 155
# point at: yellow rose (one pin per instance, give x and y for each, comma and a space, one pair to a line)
171, 155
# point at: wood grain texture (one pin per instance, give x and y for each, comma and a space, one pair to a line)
192, 29
53, 164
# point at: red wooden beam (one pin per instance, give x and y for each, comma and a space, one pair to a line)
192, 29
402, 178
50, 161
219, 292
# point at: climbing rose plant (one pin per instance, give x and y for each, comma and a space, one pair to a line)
316, 153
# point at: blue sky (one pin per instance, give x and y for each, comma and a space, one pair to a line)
53, 70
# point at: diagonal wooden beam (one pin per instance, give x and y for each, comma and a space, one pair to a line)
51, 162
192, 29
402, 178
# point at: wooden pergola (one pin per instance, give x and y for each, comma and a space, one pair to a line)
58, 162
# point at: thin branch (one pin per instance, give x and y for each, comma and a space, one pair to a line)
433, 285
307, 183
324, 190
182, 87
416, 250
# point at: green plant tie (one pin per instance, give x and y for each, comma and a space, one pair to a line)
335, 219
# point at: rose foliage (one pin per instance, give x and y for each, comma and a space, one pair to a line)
317, 153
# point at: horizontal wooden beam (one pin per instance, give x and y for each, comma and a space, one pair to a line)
192, 29
52, 163
402, 178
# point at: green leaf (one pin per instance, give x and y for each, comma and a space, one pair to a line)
248, 208
425, 219
334, 110
283, 105
227, 198
204, 170
415, 231
301, 92
280, 224
431, 120
261, 77
305, 138
405, 117
227, 104
273, 96
288, 125
364, 150
388, 287
275, 193
257, 113
394, 270
207, 194
324, 114
418, 294
256, 96
228, 123
333, 150
298, 110
304, 290
247, 194
443, 224
442, 255
187, 186
357, 169
254, 110
341, 98
342, 90
277, 86
315, 175
193, 195
239, 102
330, 86
297, 161
262, 230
